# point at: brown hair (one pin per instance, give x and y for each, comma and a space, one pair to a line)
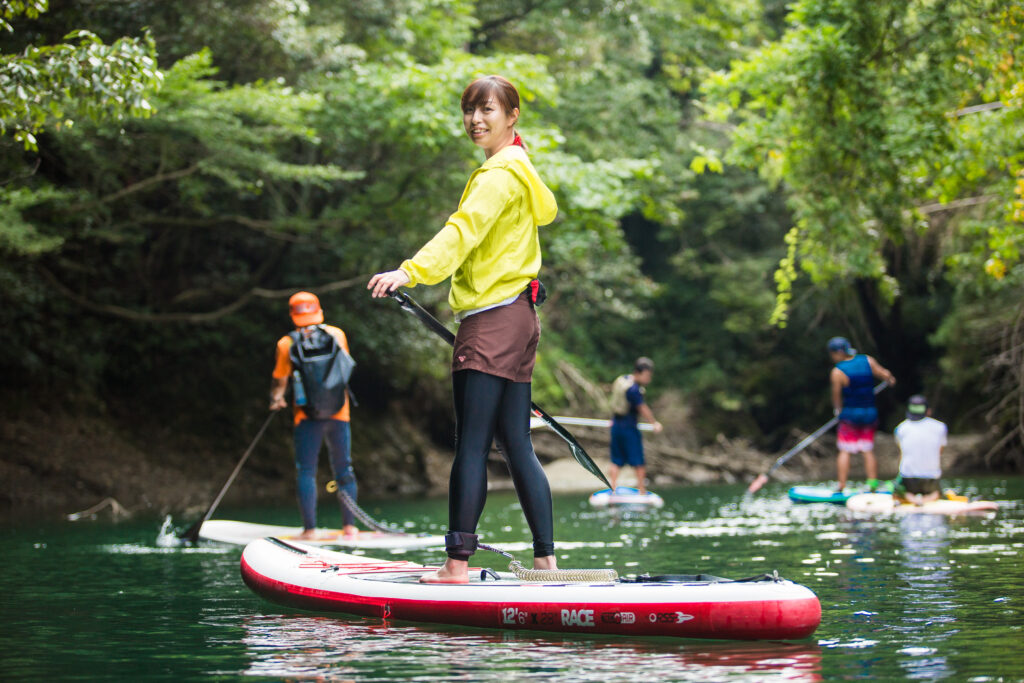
482, 89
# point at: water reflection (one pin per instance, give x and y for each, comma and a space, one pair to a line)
323, 648
927, 598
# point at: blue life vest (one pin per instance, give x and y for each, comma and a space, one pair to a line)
859, 396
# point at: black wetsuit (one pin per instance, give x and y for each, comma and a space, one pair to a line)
488, 407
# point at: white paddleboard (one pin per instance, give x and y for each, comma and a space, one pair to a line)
537, 422
243, 533
625, 495
691, 607
884, 503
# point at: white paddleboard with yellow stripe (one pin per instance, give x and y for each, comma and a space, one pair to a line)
886, 503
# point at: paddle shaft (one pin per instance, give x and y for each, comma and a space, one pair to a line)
435, 325
192, 533
807, 441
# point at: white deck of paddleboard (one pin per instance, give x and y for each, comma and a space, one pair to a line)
354, 575
242, 533
625, 496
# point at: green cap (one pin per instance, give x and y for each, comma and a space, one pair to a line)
917, 407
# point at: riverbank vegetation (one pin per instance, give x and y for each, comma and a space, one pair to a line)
738, 181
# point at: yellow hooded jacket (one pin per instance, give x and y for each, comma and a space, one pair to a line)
490, 245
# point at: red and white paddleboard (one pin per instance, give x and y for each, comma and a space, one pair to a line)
312, 578
242, 533
885, 503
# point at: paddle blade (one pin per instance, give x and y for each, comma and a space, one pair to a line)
589, 465
575, 448
756, 485
191, 534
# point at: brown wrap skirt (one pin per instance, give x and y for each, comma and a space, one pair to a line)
500, 341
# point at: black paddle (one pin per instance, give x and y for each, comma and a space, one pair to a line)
762, 479
192, 533
435, 325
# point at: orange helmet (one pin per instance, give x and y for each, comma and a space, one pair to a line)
305, 309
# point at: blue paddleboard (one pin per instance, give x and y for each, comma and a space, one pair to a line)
825, 494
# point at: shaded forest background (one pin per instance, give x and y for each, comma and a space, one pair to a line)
738, 181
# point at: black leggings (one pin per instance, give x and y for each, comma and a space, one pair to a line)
489, 407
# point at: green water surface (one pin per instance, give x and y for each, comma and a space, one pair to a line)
916, 597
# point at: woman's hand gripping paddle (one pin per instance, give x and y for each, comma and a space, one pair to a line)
410, 306
762, 479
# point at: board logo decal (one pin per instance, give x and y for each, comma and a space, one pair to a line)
618, 618
669, 617
578, 617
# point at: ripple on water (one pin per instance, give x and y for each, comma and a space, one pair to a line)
139, 549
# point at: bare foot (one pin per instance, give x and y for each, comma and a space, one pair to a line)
545, 562
452, 571
349, 531
307, 535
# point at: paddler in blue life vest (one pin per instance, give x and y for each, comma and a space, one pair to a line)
311, 433
853, 402
628, 406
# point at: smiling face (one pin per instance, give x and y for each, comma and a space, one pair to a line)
490, 110
488, 125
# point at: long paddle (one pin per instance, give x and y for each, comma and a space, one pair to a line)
762, 479
192, 533
435, 325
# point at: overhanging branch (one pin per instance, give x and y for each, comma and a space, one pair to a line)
957, 204
192, 318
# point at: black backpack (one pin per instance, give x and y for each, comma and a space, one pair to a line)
325, 369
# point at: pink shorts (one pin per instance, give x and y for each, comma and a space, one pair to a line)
854, 438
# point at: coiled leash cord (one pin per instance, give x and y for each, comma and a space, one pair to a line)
524, 574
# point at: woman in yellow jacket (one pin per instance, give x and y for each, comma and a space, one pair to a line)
491, 250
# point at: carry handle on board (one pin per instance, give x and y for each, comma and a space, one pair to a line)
435, 325
762, 479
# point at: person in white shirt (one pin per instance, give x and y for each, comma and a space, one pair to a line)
920, 438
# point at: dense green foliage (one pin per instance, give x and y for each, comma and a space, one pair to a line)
153, 223
895, 129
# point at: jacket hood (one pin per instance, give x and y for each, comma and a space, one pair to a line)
514, 159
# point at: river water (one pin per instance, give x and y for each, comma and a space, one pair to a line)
915, 597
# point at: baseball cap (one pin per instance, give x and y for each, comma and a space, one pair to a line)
304, 308
917, 407
840, 344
